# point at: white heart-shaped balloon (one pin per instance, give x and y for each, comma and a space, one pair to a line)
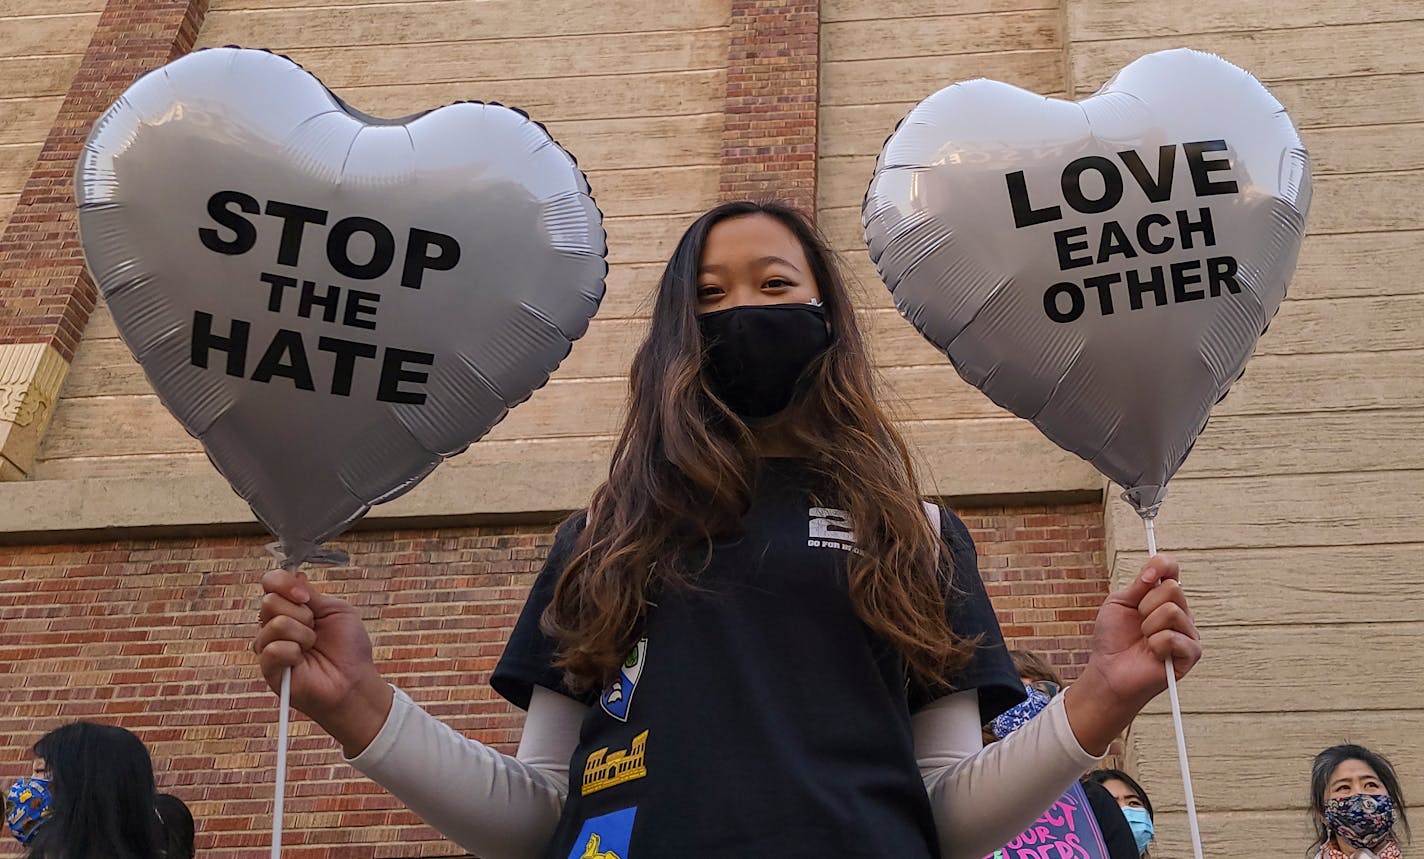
1102, 268
332, 303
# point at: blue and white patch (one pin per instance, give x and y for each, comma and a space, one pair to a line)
618, 697
606, 836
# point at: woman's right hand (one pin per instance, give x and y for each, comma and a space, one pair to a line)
321, 638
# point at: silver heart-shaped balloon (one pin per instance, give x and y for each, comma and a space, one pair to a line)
332, 303
1102, 268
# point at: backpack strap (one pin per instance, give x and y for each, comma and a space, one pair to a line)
933, 512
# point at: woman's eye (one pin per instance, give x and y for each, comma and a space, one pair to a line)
708, 291
1134, 803
776, 283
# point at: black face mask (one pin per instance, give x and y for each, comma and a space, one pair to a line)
754, 356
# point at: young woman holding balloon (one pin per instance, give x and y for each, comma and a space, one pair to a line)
756, 640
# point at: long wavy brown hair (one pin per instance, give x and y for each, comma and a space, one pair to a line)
684, 467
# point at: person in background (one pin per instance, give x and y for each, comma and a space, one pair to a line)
178, 827
1357, 807
1034, 669
92, 795
1132, 799
1042, 682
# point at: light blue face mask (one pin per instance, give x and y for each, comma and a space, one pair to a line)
1141, 823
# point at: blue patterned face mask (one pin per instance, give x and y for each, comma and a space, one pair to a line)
1017, 716
27, 807
1361, 820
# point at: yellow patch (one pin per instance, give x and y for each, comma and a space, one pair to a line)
590, 850
604, 770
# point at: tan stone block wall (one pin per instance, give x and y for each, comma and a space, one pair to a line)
45, 293
634, 91
637, 94
1299, 511
877, 60
41, 43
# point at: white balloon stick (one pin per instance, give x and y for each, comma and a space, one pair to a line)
1177, 725
284, 703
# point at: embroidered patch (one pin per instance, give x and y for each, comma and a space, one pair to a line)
618, 697
603, 770
605, 836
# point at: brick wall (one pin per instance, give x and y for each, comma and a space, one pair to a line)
154, 636
1045, 570
773, 86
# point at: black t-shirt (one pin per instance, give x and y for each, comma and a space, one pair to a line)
757, 716
1117, 834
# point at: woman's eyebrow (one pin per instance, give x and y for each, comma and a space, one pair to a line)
713, 268
770, 260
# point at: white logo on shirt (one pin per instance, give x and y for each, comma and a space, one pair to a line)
831, 529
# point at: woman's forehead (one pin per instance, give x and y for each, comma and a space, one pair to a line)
755, 237
1353, 769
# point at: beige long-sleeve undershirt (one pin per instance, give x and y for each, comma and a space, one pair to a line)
506, 807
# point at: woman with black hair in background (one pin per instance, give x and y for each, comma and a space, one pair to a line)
178, 827
1133, 801
1357, 807
92, 795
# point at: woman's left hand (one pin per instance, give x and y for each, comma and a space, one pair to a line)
1137, 628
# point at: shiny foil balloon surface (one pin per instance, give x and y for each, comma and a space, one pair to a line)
332, 303
1102, 268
